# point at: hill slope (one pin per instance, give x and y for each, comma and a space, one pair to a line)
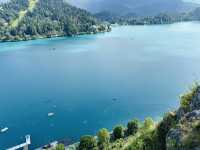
30, 19
139, 7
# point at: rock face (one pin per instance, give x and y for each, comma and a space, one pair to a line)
195, 103
186, 134
191, 116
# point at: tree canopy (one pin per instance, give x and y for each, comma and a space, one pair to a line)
31, 19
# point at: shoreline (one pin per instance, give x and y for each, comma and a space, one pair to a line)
55, 36
109, 29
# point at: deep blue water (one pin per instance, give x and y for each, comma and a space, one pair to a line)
144, 68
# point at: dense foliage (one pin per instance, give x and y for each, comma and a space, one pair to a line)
132, 127
118, 132
103, 139
132, 19
87, 143
59, 147
161, 18
139, 7
186, 98
30, 19
163, 128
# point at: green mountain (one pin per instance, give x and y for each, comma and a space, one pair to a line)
138, 7
162, 18
32, 19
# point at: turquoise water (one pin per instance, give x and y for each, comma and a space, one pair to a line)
144, 68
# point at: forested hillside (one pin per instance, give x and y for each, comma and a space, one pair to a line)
162, 18
31, 19
138, 7
133, 19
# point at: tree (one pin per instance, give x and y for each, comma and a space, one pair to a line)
132, 127
186, 98
168, 122
103, 138
49, 18
148, 124
118, 132
88, 142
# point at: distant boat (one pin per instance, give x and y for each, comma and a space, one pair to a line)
4, 129
50, 114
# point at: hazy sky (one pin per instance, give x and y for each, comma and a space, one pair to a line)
3, 0
81, 3
194, 1
84, 3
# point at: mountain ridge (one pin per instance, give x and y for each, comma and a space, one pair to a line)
141, 8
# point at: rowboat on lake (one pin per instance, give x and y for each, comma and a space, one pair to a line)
4, 130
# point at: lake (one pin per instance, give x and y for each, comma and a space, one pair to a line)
94, 81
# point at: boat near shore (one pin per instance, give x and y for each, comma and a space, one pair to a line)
68, 144
4, 130
51, 114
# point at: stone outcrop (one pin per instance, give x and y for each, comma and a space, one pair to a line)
186, 134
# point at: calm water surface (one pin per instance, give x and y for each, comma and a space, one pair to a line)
144, 68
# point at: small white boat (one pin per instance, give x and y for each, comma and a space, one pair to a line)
4, 129
50, 114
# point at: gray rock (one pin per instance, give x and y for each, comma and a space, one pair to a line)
186, 118
195, 103
194, 115
180, 113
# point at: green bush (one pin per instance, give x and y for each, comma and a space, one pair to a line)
148, 124
169, 121
60, 147
145, 141
132, 127
149, 141
103, 138
185, 99
137, 144
88, 142
196, 126
118, 132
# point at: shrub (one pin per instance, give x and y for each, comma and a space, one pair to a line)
148, 124
185, 99
132, 127
118, 132
149, 141
196, 126
60, 147
137, 144
169, 121
117, 145
88, 142
103, 138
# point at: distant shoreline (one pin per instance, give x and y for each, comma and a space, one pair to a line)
54, 36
